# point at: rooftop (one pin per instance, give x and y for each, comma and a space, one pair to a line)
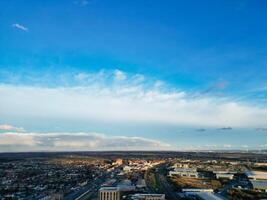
108, 189
257, 174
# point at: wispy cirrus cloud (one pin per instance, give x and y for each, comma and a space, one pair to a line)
220, 85
20, 27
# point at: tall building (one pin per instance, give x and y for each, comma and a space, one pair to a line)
109, 193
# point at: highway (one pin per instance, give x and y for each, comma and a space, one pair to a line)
163, 186
167, 188
90, 190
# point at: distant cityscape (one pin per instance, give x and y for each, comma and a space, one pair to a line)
133, 175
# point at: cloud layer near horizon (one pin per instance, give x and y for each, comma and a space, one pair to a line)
124, 98
7, 127
32, 141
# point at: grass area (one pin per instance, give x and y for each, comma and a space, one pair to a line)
185, 182
154, 181
150, 179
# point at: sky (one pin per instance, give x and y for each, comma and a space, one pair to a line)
133, 75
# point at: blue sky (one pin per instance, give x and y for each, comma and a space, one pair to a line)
150, 74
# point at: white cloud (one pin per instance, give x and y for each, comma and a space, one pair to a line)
14, 139
209, 147
81, 76
7, 127
124, 104
21, 27
119, 75
158, 84
227, 145
102, 97
75, 141
138, 78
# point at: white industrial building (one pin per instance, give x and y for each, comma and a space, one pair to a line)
148, 197
224, 175
256, 175
258, 179
185, 172
259, 185
202, 194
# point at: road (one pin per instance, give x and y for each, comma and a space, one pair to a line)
90, 190
167, 188
163, 186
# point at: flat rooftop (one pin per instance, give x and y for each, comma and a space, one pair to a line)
149, 195
257, 174
108, 189
209, 196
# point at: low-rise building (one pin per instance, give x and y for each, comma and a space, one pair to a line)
201, 194
258, 179
185, 172
259, 185
141, 183
125, 186
208, 196
148, 197
127, 169
256, 175
224, 175
119, 161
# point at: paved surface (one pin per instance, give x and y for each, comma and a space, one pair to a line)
163, 186
167, 188
90, 190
